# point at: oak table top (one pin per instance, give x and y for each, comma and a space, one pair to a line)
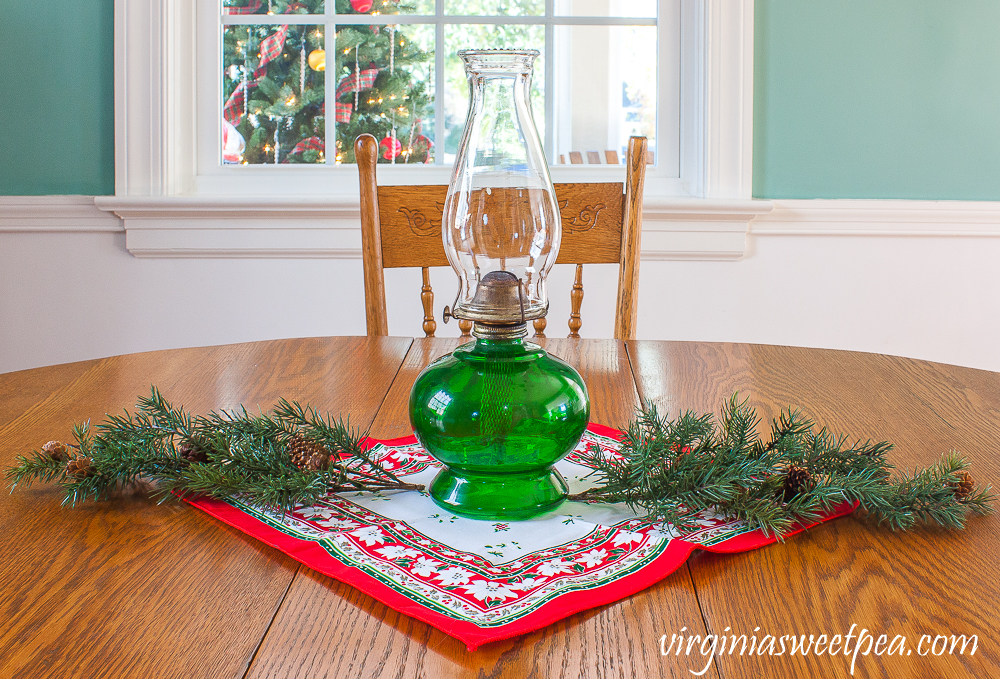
129, 588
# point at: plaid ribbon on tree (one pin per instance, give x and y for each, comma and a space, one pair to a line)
357, 82
249, 8
233, 109
343, 112
308, 144
270, 49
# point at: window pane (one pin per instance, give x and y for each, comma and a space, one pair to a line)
485, 36
606, 8
386, 92
495, 7
273, 6
377, 7
282, 120
604, 89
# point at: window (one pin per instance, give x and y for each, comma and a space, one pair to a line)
178, 198
394, 73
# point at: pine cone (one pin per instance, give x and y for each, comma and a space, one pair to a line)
56, 450
190, 453
796, 481
306, 454
965, 485
80, 468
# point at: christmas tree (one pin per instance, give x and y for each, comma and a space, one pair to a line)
382, 86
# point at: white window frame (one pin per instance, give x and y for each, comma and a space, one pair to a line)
210, 111
170, 210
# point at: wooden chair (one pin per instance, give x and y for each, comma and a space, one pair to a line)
594, 158
401, 227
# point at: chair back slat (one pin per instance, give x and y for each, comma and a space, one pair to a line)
410, 219
592, 223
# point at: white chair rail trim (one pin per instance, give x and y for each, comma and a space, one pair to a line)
316, 227
197, 226
894, 218
55, 213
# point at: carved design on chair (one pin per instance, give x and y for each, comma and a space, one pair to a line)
419, 224
584, 221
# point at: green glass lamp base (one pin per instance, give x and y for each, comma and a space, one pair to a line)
498, 496
498, 414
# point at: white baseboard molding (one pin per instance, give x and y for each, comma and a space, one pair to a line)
55, 214
920, 218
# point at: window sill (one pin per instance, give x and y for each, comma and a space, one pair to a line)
323, 227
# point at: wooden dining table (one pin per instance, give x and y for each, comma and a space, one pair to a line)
130, 588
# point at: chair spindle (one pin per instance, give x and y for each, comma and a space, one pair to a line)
576, 301
539, 325
466, 328
427, 299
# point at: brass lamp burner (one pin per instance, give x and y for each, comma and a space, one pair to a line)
497, 307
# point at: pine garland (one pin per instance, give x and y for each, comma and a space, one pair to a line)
224, 455
671, 469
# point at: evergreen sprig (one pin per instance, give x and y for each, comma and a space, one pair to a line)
674, 469
230, 455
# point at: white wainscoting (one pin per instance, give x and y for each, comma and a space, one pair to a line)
909, 278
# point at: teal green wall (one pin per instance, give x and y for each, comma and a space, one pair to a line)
57, 130
852, 98
877, 99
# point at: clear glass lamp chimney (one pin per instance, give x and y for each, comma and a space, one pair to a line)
500, 213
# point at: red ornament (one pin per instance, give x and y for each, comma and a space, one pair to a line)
392, 147
361, 5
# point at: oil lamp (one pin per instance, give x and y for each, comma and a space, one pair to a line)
499, 412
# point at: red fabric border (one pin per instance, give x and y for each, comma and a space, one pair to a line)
314, 556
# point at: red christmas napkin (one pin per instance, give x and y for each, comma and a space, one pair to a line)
483, 581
